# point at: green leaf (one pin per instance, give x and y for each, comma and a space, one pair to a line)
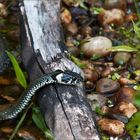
99, 111
95, 57
77, 62
19, 123
137, 72
122, 48
81, 4
19, 74
133, 126
40, 123
105, 138
137, 99
81, 42
137, 87
96, 10
136, 29
115, 76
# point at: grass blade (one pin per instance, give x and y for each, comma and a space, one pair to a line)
19, 74
40, 123
19, 123
122, 48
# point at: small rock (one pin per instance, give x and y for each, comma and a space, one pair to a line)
96, 45
131, 17
112, 127
31, 133
69, 41
7, 129
90, 75
79, 37
122, 58
66, 16
78, 12
14, 35
106, 85
135, 62
119, 4
3, 10
69, 2
125, 108
7, 80
124, 94
86, 31
105, 109
107, 17
126, 81
72, 28
119, 117
96, 100
89, 86
74, 50
107, 71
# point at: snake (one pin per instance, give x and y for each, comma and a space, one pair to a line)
56, 77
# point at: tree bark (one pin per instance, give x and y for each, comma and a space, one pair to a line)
65, 108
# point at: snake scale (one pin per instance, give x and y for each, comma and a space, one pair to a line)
58, 77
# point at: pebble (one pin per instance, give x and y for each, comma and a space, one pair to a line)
3, 10
106, 85
96, 45
14, 35
124, 94
122, 58
72, 28
120, 4
111, 126
107, 17
119, 117
69, 41
73, 50
66, 17
69, 2
107, 71
125, 108
86, 31
77, 12
135, 62
91, 75
96, 100
7, 80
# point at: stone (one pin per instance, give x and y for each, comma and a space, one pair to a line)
96, 45
96, 100
121, 58
66, 17
125, 108
106, 85
107, 17
120, 4
111, 126
124, 94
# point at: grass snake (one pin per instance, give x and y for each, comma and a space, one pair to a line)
58, 77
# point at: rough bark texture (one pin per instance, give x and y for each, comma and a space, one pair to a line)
65, 108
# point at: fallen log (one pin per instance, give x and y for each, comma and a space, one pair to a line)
65, 108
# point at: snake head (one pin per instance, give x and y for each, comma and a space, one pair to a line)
67, 77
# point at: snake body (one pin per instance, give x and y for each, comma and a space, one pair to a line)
59, 77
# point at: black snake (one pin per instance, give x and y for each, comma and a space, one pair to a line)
59, 77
